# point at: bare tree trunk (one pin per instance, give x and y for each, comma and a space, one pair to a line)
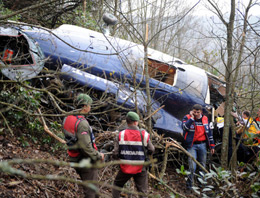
84, 9
147, 85
233, 160
229, 97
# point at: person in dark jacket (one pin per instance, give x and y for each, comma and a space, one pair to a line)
81, 141
197, 135
129, 147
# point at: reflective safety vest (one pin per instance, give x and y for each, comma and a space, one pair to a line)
70, 127
131, 149
220, 122
252, 129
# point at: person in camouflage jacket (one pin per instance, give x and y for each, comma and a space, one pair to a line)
81, 141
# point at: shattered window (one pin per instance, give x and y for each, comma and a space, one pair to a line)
161, 71
15, 50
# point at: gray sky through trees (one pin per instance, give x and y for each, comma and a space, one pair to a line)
203, 8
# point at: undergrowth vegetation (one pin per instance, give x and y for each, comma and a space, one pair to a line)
19, 108
219, 182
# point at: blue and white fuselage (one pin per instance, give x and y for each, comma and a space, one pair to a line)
116, 66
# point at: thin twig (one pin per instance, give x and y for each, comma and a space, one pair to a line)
46, 129
154, 112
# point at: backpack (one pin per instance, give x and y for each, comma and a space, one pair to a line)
70, 125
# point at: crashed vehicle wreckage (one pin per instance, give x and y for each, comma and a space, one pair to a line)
113, 66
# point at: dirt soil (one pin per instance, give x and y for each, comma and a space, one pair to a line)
16, 186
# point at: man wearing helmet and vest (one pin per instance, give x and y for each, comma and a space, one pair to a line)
81, 141
197, 135
130, 147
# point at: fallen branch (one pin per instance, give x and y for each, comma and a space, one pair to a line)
46, 129
83, 163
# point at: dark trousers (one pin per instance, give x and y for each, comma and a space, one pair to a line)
140, 179
85, 175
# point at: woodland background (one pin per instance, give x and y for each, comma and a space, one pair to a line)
224, 43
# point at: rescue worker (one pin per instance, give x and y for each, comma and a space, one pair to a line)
251, 129
257, 119
219, 127
129, 147
197, 135
81, 141
220, 122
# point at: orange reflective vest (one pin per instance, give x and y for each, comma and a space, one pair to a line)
131, 149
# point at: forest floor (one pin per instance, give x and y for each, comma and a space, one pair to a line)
16, 186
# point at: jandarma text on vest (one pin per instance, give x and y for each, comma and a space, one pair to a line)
131, 152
